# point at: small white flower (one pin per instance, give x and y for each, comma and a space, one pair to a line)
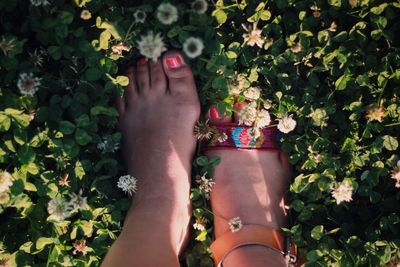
286, 124
263, 119
102, 145
120, 48
267, 104
193, 47
253, 36
40, 2
222, 137
59, 209
28, 84
235, 224
395, 174
128, 184
252, 93
342, 192
200, 224
5, 181
167, 13
199, 6
140, 16
248, 114
151, 46
205, 184
78, 201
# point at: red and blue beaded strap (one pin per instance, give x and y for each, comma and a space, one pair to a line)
234, 136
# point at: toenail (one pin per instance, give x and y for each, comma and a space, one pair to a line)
214, 112
174, 62
142, 61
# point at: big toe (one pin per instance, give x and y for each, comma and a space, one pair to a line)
180, 77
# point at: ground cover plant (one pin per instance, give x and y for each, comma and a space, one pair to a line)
325, 72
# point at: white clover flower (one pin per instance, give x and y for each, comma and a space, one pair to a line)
40, 2
7, 45
5, 181
151, 45
86, 15
395, 174
263, 119
128, 184
235, 224
202, 130
200, 224
102, 145
78, 201
247, 115
205, 185
252, 93
120, 48
222, 137
167, 13
28, 84
267, 104
286, 124
193, 47
342, 192
140, 16
199, 6
58, 209
253, 36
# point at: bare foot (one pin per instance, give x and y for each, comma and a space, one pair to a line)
249, 184
157, 115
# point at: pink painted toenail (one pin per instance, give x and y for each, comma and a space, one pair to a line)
214, 112
174, 62
142, 61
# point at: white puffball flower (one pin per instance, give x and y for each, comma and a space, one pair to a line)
140, 16
151, 45
5, 181
263, 119
342, 192
199, 6
58, 209
167, 13
128, 184
252, 93
28, 84
193, 47
78, 201
247, 115
286, 124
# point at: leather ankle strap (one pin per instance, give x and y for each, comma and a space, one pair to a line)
252, 235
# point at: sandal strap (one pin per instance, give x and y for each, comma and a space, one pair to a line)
232, 135
253, 235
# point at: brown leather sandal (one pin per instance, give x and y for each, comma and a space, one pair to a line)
234, 136
254, 235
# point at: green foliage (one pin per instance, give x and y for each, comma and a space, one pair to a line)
334, 65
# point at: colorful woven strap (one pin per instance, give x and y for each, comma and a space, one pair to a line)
232, 135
